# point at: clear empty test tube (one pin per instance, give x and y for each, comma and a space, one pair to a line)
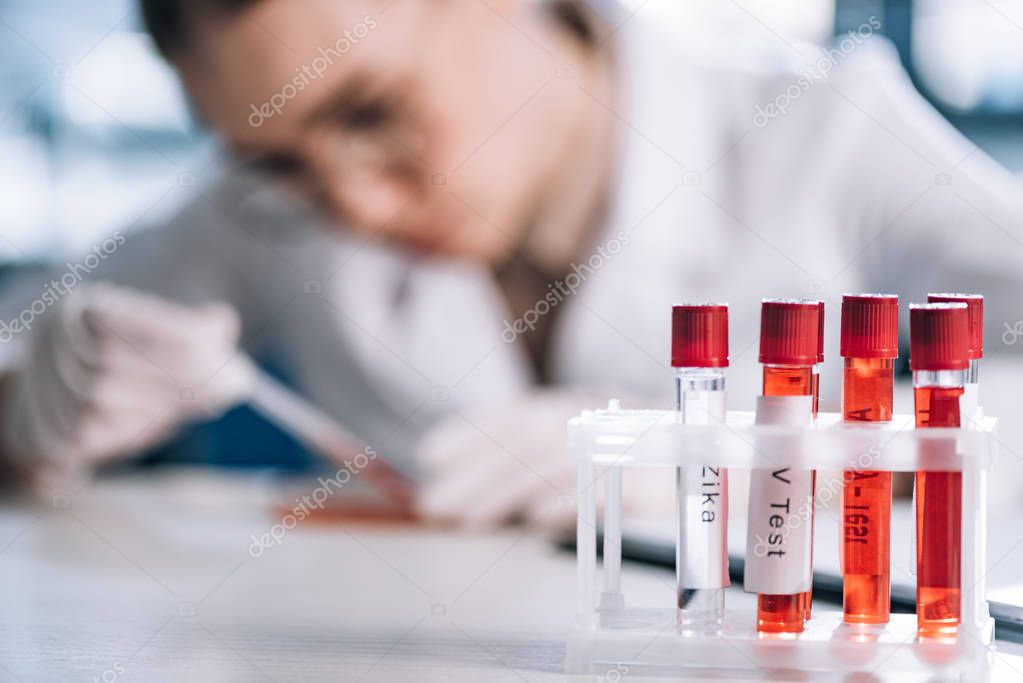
699, 354
939, 358
870, 345
789, 331
975, 312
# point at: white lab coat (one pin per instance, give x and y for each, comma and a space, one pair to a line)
858, 187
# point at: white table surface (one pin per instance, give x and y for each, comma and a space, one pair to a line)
149, 578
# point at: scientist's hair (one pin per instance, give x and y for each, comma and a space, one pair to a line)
171, 23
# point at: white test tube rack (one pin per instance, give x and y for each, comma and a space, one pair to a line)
610, 634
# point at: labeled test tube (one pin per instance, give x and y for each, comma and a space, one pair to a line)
939, 358
807, 597
870, 345
819, 365
789, 331
699, 354
975, 312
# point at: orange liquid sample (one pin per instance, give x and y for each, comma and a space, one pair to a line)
938, 523
815, 389
867, 499
784, 613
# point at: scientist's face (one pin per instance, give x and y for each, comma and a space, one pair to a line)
419, 121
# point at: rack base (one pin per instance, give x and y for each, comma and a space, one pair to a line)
647, 642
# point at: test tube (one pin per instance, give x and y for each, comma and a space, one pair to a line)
939, 358
975, 311
699, 354
870, 345
789, 332
819, 365
815, 387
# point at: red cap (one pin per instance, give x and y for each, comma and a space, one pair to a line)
699, 336
820, 331
975, 308
939, 337
870, 326
789, 330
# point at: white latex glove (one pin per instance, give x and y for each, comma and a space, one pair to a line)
111, 371
508, 462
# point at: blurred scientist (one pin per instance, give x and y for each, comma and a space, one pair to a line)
455, 224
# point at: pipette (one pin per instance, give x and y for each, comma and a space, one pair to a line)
319, 432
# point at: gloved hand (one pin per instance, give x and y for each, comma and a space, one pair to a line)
488, 466
110, 371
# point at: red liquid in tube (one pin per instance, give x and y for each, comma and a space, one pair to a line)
939, 358
815, 387
785, 613
939, 516
789, 351
870, 329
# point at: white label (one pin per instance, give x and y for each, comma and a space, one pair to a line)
780, 531
703, 515
702, 548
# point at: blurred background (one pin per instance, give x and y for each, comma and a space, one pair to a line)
96, 136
